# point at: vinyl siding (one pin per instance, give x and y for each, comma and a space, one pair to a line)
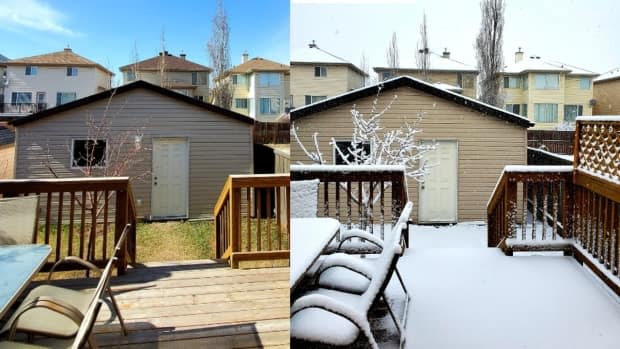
443, 77
218, 145
303, 82
485, 143
607, 95
176, 78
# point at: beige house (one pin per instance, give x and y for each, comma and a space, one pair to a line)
39, 82
552, 94
607, 93
261, 88
475, 141
183, 149
317, 74
175, 73
445, 72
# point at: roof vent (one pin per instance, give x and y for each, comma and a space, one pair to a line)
183, 55
68, 49
312, 44
446, 53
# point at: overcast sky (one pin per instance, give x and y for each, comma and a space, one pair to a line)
582, 33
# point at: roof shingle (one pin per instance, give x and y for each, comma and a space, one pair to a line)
258, 64
65, 57
172, 63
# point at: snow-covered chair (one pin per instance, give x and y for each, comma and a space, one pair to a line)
304, 198
336, 317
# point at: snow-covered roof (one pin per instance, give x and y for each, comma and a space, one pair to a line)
610, 75
438, 63
535, 63
599, 118
409, 81
314, 54
448, 87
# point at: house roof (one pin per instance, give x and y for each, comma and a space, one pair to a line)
258, 64
610, 75
536, 64
408, 81
3, 58
65, 57
437, 63
313, 55
172, 62
126, 88
7, 136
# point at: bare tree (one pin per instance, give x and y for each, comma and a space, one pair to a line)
365, 68
422, 57
392, 54
135, 58
489, 50
219, 53
163, 76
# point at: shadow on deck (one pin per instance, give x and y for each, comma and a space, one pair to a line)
196, 304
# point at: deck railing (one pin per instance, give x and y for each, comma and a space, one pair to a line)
252, 218
366, 196
575, 209
81, 217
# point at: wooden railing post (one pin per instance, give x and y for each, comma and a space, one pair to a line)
235, 218
510, 204
122, 204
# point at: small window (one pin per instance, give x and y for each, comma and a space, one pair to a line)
545, 112
200, 98
467, 81
524, 110
512, 82
65, 97
241, 103
199, 78
386, 75
344, 147
513, 108
269, 105
571, 112
130, 75
31, 70
21, 97
312, 99
72, 71
235, 79
547, 81
584, 83
525, 80
268, 79
320, 72
88, 153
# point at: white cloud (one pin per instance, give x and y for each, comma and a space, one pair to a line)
33, 14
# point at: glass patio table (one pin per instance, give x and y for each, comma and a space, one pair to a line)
18, 265
309, 238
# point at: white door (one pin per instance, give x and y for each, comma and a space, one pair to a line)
438, 194
170, 178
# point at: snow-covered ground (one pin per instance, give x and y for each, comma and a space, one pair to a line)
468, 296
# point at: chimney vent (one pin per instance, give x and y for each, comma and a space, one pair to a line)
446, 53
68, 49
518, 56
312, 44
183, 55
244, 57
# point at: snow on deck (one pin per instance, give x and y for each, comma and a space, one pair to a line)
465, 295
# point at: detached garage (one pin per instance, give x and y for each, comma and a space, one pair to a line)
177, 150
475, 141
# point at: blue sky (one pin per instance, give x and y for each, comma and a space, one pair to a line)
106, 30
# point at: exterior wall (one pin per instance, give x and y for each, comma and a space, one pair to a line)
175, 78
218, 145
241, 91
281, 91
443, 77
607, 95
52, 80
355, 80
303, 82
7, 161
485, 143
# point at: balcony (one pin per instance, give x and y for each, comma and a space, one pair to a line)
22, 108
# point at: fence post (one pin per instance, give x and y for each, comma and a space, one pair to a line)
235, 218
121, 220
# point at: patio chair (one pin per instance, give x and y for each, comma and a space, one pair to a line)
338, 318
18, 217
304, 198
49, 321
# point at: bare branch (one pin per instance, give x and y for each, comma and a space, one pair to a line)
219, 54
489, 50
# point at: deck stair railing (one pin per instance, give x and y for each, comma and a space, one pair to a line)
575, 209
252, 221
81, 217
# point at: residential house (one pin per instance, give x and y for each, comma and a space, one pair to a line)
317, 74
607, 93
175, 73
443, 70
261, 88
39, 82
475, 141
183, 149
550, 93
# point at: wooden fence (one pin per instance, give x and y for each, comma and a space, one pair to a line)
560, 142
272, 133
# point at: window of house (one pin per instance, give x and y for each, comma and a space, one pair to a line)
320, 72
268, 79
21, 97
571, 112
525, 80
386, 75
199, 78
200, 98
65, 97
524, 110
547, 81
239, 79
130, 75
241, 103
270, 105
312, 99
88, 153
344, 146
545, 112
584, 83
31, 70
513, 108
512, 82
72, 71
466, 81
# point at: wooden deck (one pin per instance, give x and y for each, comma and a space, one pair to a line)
196, 304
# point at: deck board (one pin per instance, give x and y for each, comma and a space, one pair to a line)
195, 304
